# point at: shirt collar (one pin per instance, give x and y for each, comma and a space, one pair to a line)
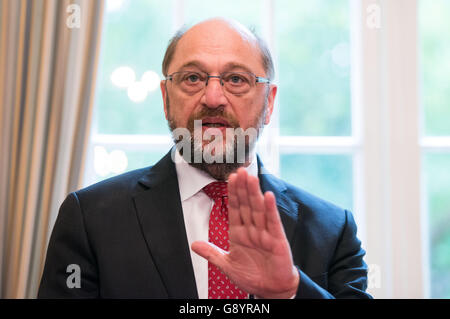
191, 180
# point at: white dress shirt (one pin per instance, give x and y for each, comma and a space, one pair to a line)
196, 209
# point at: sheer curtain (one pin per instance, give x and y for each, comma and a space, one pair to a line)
48, 60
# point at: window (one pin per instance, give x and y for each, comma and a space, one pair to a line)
345, 125
130, 130
436, 170
313, 56
434, 26
313, 46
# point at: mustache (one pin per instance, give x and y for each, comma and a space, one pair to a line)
207, 112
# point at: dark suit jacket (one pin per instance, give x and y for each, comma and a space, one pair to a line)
127, 236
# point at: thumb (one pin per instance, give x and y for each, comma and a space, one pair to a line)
210, 252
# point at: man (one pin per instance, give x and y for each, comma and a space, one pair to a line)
206, 221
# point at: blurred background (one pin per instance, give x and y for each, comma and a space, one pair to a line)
362, 117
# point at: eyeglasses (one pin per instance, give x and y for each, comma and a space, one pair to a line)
233, 82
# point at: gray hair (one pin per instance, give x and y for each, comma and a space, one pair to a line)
262, 45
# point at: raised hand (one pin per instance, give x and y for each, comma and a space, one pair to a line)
259, 260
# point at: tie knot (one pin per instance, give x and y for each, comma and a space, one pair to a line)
216, 190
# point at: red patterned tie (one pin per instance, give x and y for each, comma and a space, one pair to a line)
219, 286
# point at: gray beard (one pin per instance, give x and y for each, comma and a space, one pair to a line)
219, 171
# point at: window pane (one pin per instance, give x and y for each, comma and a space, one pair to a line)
109, 161
437, 179
327, 176
314, 67
136, 34
434, 26
246, 12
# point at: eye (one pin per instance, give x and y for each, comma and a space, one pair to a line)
192, 77
236, 79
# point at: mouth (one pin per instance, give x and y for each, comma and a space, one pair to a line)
215, 122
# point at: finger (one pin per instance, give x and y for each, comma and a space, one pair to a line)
274, 225
242, 194
256, 200
247, 209
210, 252
234, 217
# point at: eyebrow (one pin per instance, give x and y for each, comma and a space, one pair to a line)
229, 66
234, 65
196, 64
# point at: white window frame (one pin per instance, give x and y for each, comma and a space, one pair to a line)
393, 144
388, 196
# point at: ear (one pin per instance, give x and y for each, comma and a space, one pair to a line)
270, 102
162, 85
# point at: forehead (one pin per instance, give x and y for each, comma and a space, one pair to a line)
216, 45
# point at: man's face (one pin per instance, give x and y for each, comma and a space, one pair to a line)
213, 47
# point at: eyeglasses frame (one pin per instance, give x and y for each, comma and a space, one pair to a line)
258, 79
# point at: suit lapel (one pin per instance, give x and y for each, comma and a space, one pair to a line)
160, 215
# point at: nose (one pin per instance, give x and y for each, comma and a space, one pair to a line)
214, 95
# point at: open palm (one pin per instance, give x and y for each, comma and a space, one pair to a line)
259, 260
